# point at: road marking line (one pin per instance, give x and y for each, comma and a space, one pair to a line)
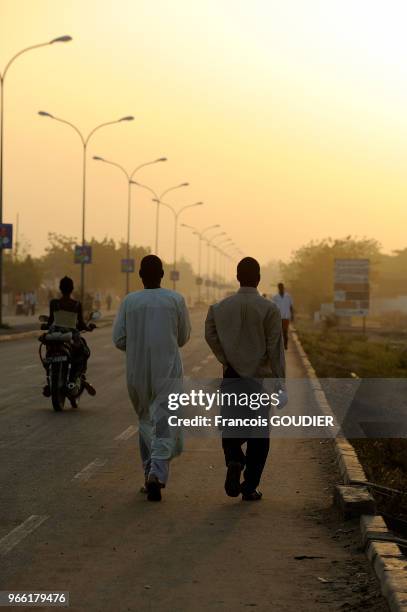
196, 369
211, 357
90, 469
127, 433
19, 533
108, 345
28, 367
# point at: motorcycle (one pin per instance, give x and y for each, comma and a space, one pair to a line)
56, 351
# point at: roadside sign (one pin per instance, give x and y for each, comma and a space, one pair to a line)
174, 275
83, 254
351, 287
128, 265
199, 280
6, 236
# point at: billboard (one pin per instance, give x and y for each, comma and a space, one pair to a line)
83, 254
351, 287
6, 236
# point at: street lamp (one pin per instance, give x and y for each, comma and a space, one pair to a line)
216, 251
176, 217
130, 182
158, 200
200, 237
208, 256
60, 39
222, 266
85, 142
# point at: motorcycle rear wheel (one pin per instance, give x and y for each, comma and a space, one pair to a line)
58, 380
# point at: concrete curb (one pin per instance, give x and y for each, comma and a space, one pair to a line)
35, 332
388, 562
348, 462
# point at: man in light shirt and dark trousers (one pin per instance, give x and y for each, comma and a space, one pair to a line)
285, 305
244, 333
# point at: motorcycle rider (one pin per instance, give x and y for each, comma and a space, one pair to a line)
66, 305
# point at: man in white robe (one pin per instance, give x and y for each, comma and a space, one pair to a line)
150, 327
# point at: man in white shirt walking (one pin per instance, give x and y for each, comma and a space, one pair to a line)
244, 333
150, 327
285, 304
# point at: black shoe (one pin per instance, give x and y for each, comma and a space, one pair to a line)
154, 487
46, 391
74, 403
89, 388
253, 496
232, 482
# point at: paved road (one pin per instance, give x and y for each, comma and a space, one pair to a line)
70, 483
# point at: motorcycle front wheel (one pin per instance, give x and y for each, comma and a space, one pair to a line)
58, 381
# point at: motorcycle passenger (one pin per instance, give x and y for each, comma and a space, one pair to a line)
67, 312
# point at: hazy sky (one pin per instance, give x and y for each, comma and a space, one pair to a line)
287, 117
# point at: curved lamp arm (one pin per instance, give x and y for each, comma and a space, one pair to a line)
111, 163
45, 114
127, 118
50, 42
155, 161
146, 187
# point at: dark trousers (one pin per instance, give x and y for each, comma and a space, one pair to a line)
254, 460
285, 324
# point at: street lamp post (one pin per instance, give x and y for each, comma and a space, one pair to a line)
129, 176
208, 260
85, 142
176, 217
223, 244
200, 238
60, 39
158, 200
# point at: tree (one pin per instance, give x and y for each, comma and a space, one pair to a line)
21, 275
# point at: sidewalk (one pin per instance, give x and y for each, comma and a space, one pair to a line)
20, 324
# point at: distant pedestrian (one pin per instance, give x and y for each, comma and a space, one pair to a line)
97, 303
244, 333
108, 302
285, 304
32, 302
27, 303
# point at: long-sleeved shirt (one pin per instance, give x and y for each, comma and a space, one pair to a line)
150, 327
244, 331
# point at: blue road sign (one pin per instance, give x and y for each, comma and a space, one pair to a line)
6, 236
128, 265
83, 254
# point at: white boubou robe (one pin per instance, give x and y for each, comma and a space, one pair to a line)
150, 327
